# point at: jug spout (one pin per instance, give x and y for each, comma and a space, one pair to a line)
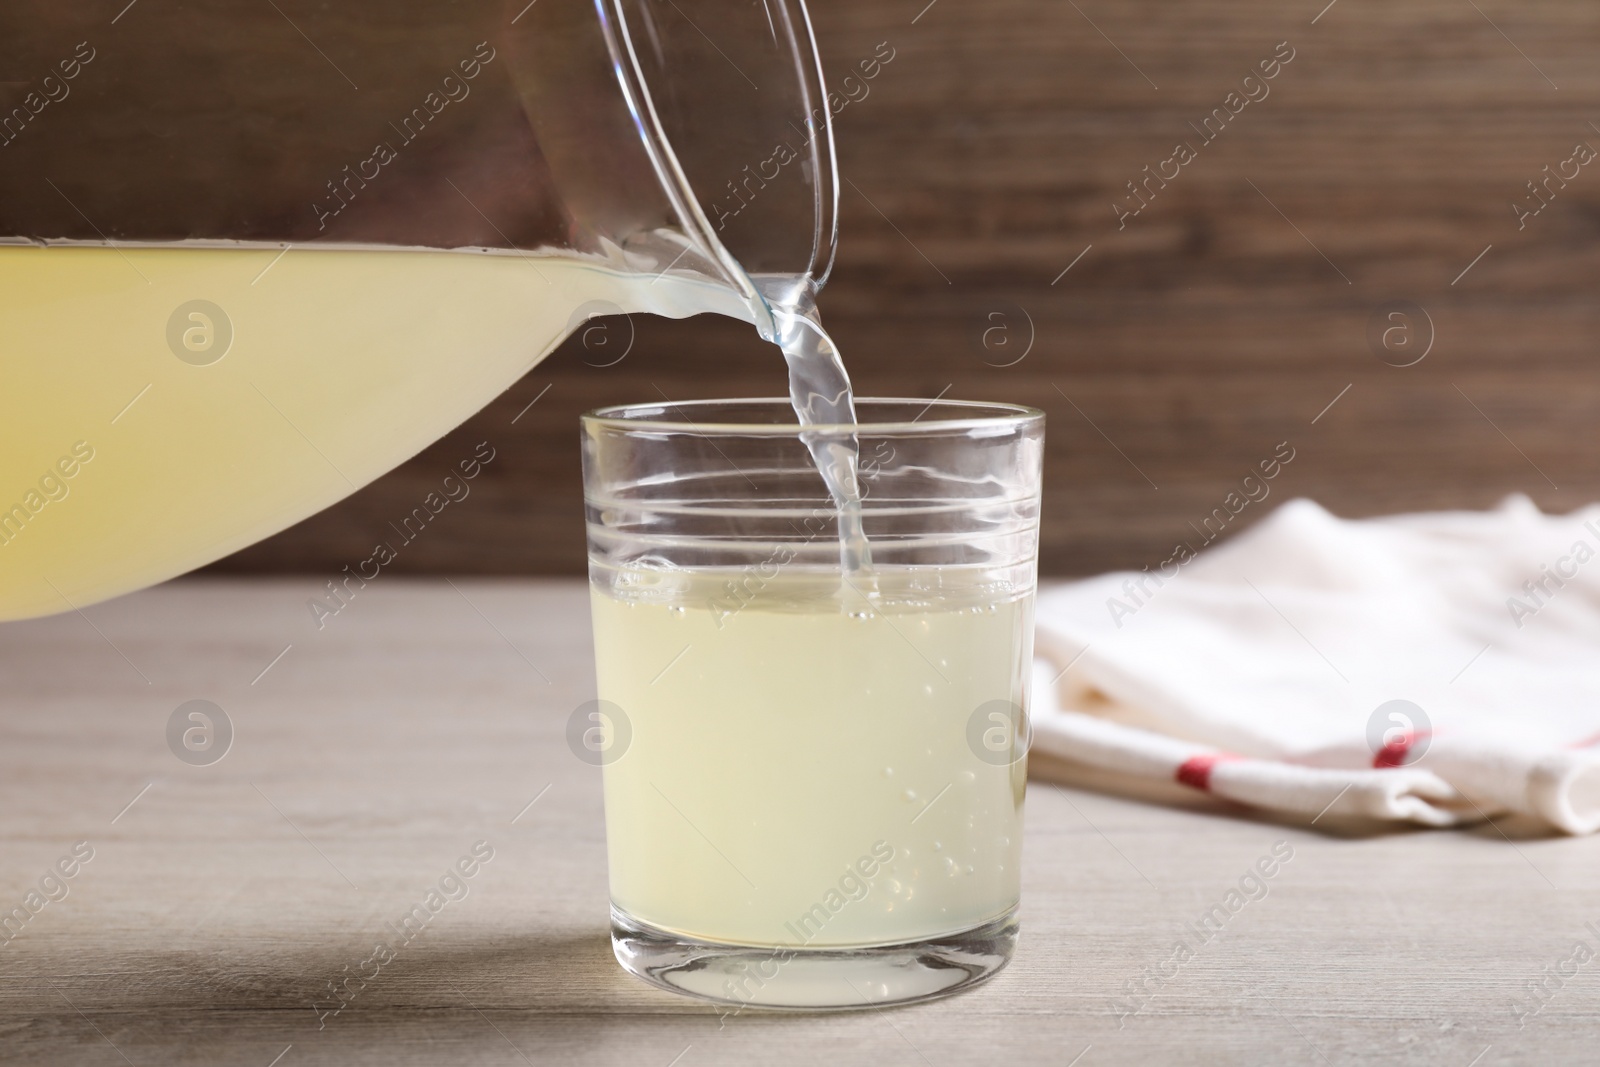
654, 132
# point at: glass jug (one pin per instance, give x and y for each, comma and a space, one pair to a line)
253, 256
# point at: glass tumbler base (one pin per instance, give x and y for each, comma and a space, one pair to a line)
813, 979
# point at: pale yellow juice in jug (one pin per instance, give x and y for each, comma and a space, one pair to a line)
138, 441
799, 770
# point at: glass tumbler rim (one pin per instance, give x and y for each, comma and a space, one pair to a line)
924, 416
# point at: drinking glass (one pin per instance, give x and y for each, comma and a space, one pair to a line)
813, 775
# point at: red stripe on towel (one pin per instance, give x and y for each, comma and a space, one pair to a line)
1395, 752
1195, 772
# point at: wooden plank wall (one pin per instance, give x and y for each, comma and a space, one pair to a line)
1181, 348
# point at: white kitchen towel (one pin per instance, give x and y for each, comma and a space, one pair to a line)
1439, 668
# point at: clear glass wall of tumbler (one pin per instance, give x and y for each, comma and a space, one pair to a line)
813, 776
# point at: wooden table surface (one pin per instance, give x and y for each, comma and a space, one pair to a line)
222, 900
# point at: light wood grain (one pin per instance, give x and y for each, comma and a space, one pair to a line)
372, 754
